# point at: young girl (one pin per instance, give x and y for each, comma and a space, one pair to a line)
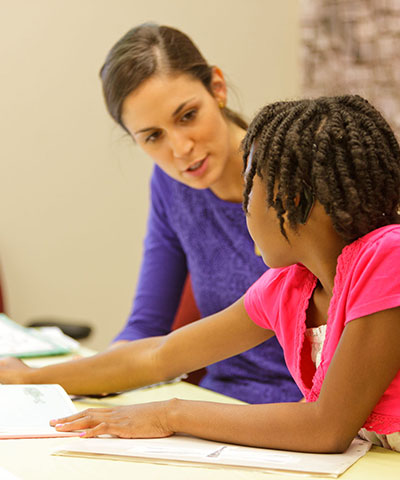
322, 195
161, 90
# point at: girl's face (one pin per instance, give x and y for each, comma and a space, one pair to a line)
179, 123
264, 228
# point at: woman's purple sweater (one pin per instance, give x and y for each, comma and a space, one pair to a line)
193, 230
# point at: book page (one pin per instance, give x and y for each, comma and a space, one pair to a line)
6, 475
25, 410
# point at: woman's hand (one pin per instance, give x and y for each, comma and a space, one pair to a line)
148, 420
13, 370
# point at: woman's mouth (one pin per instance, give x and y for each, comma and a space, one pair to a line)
197, 169
195, 166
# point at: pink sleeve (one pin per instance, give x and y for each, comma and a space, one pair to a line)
375, 280
262, 298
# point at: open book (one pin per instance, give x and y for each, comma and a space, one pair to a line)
181, 449
25, 410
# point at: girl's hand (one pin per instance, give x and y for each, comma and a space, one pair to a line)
148, 420
13, 370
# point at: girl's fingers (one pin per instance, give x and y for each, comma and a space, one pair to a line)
79, 424
134, 421
99, 429
88, 414
71, 418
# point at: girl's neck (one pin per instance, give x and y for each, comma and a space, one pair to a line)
320, 248
230, 186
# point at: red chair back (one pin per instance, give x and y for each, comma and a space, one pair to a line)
187, 313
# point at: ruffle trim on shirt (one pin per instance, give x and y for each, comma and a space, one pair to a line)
344, 260
384, 424
376, 422
309, 284
311, 396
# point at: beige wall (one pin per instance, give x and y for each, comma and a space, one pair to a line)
73, 190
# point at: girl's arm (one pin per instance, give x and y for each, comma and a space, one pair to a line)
150, 360
365, 362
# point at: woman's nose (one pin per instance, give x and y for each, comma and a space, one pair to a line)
181, 145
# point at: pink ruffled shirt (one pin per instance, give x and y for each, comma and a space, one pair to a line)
367, 281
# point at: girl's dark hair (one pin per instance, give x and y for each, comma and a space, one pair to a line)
146, 50
338, 150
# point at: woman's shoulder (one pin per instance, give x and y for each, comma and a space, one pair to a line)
182, 200
162, 184
167, 193
160, 180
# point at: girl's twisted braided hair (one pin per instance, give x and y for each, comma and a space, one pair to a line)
339, 149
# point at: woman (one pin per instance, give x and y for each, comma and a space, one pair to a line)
160, 89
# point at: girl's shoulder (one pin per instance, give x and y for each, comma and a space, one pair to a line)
366, 274
386, 235
372, 247
290, 286
293, 276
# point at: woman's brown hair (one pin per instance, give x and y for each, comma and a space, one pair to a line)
146, 50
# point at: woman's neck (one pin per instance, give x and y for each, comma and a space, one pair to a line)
230, 186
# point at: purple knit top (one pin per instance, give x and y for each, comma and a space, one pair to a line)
193, 230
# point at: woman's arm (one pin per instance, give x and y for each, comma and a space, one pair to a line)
162, 273
150, 360
365, 362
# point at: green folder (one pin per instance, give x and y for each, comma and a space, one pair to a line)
22, 342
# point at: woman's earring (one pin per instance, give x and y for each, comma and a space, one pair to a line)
221, 104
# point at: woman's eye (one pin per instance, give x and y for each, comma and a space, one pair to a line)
189, 115
152, 137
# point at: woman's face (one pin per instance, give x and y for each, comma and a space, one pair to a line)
179, 123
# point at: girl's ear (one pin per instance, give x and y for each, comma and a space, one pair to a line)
218, 87
304, 201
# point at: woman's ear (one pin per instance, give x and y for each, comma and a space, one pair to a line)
218, 86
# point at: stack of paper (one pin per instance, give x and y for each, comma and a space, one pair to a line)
198, 452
